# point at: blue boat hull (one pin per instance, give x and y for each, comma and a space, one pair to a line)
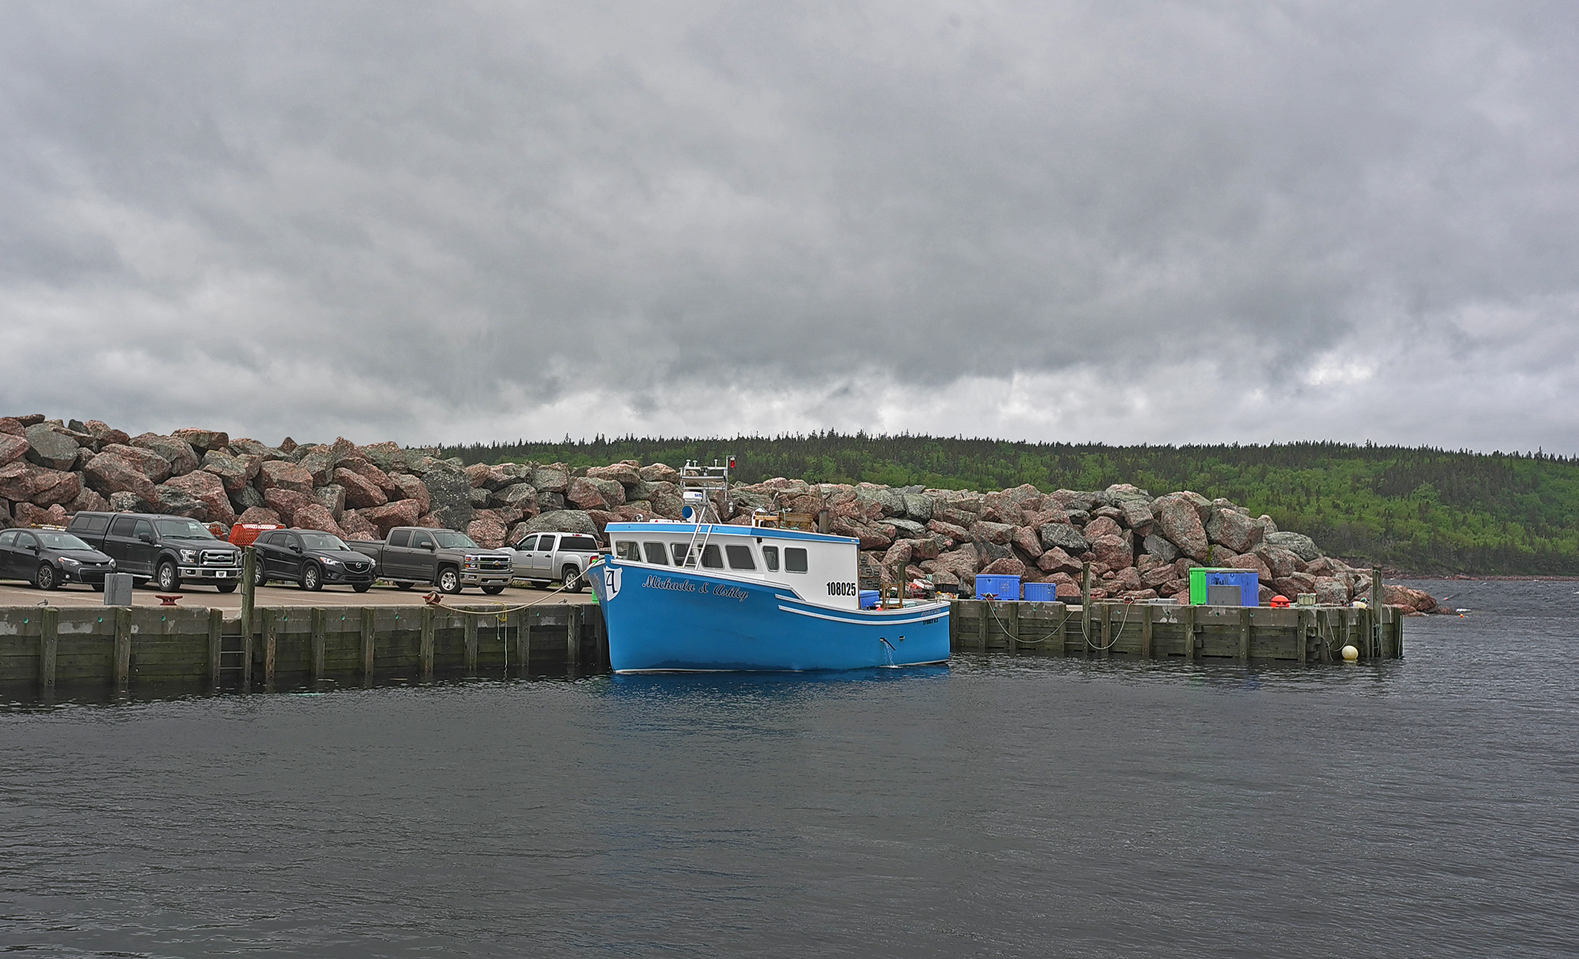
686, 620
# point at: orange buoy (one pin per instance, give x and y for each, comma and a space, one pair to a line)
1280, 602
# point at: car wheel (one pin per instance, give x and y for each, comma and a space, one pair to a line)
404, 584
167, 578
226, 587
46, 577
449, 580
312, 578
258, 579
493, 590
570, 579
362, 587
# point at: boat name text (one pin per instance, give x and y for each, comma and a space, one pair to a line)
687, 586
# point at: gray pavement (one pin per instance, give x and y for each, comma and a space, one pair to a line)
13, 593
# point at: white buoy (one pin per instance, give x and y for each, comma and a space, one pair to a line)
1350, 654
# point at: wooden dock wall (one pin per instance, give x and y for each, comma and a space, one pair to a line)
122, 648
1155, 631
45, 648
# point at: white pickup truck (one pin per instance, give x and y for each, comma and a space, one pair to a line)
549, 557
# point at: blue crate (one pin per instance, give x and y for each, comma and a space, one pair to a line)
1246, 579
1040, 592
997, 587
869, 598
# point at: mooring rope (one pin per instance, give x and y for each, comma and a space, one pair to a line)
1085, 632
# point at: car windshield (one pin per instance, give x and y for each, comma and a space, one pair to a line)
53, 540
182, 529
449, 539
322, 541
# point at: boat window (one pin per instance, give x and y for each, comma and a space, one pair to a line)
794, 559
655, 554
628, 549
711, 558
680, 551
739, 557
770, 558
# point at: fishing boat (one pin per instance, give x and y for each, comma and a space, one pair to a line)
698, 594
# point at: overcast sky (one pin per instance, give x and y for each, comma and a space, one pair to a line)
1113, 221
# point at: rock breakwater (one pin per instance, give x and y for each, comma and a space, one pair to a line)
1140, 546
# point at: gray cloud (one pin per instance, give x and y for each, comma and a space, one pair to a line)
1114, 221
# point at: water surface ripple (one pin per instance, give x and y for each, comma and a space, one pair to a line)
1003, 807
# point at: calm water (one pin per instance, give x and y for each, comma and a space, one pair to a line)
1013, 807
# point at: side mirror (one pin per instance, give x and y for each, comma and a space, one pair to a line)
146, 538
295, 548
430, 547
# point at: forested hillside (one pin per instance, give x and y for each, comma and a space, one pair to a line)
1425, 510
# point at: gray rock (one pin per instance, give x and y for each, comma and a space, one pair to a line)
891, 503
1079, 517
177, 452
479, 497
50, 449
126, 502
246, 498
550, 479
331, 498
1159, 547
179, 503
1064, 537
559, 521
917, 506
449, 495
519, 496
908, 529
1297, 543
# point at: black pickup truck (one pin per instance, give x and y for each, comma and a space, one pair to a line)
439, 557
169, 550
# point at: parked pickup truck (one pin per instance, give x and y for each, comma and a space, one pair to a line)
546, 557
438, 557
167, 549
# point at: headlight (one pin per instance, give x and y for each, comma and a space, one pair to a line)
68, 561
472, 562
329, 562
189, 556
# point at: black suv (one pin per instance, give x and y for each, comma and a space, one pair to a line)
311, 559
49, 557
166, 549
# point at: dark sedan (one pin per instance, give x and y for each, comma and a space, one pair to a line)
311, 559
48, 558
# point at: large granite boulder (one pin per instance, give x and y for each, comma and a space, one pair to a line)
283, 474
1297, 543
207, 489
360, 491
12, 448
1063, 536
559, 521
625, 472
204, 440
450, 496
110, 473
1234, 530
489, 533
403, 512
287, 502
316, 516
1179, 521
234, 472
50, 449
178, 453
179, 503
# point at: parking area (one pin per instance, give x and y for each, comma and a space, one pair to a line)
13, 593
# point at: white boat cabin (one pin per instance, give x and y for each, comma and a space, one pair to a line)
819, 568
